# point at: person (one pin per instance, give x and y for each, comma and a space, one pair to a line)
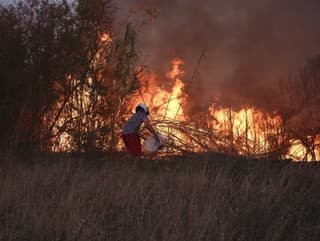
131, 134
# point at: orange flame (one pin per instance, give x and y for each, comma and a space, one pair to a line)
248, 131
106, 38
299, 152
167, 104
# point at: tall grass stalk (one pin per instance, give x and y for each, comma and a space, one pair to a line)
199, 197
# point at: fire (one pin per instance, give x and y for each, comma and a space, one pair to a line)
299, 152
106, 38
247, 131
167, 104
174, 108
63, 142
176, 72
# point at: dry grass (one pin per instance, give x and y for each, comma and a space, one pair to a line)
196, 197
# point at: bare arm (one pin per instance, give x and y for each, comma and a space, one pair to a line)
141, 135
151, 129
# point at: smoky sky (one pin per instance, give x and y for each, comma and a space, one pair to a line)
249, 45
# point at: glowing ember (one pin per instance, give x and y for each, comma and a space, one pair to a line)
106, 38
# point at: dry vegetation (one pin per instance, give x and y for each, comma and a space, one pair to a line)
195, 197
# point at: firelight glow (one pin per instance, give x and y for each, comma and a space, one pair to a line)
248, 131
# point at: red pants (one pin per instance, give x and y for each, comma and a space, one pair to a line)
133, 144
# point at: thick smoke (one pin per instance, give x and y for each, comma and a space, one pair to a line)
249, 45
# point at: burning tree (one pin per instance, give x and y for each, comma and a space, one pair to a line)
64, 74
93, 114
69, 80
37, 38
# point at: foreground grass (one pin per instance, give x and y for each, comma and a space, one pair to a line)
197, 197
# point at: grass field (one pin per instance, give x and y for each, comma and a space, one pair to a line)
194, 197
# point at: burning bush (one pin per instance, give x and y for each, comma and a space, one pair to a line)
75, 80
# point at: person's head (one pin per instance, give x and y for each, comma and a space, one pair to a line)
143, 108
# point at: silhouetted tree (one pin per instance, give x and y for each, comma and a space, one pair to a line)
64, 74
12, 72
41, 43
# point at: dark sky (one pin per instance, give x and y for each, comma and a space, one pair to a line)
249, 44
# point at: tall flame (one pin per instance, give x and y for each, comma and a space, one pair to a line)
167, 104
248, 131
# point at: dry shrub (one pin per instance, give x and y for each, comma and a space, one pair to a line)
196, 197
